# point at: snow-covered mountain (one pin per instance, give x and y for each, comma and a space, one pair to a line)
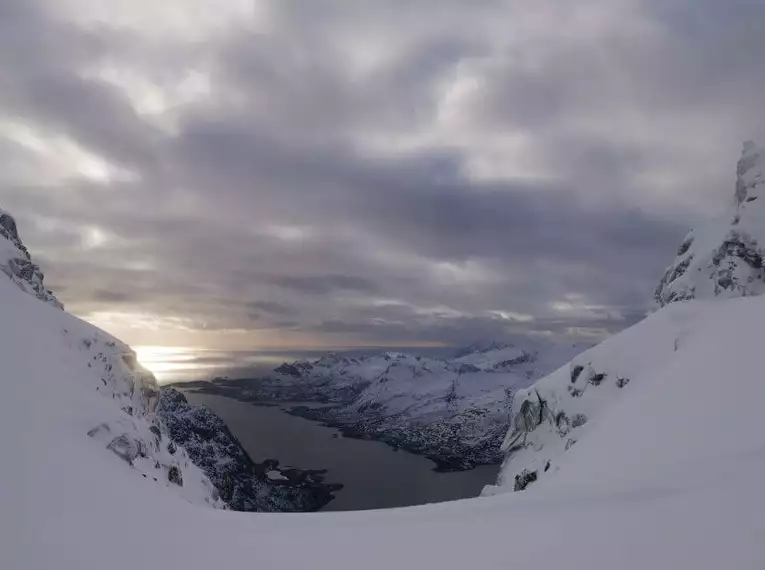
17, 264
71, 383
666, 471
721, 260
724, 258
332, 378
455, 412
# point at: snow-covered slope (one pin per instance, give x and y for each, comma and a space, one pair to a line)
66, 363
679, 392
332, 378
669, 475
76, 397
551, 416
724, 258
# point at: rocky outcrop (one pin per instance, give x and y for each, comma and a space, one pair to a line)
243, 485
724, 258
16, 262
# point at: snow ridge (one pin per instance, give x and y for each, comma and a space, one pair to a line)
725, 257
721, 260
76, 362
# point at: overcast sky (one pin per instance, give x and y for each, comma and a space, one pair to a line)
245, 173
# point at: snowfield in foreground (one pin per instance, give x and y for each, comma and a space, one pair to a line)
669, 475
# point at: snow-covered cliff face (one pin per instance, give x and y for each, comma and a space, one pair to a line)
71, 381
17, 264
552, 415
721, 260
724, 258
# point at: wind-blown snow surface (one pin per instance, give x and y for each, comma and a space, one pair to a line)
669, 475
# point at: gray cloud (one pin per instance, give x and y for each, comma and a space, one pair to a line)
326, 284
270, 307
401, 173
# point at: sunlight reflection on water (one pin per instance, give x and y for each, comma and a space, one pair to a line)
184, 363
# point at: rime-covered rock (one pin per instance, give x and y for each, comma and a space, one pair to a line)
724, 258
17, 264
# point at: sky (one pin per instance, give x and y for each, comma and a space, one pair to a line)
324, 173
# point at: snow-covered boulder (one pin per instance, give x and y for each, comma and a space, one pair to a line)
16, 262
724, 258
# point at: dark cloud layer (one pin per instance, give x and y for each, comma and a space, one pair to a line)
316, 172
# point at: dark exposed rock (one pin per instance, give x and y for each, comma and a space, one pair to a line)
156, 431
20, 268
575, 392
524, 479
465, 368
622, 382
597, 379
174, 476
125, 448
578, 420
243, 485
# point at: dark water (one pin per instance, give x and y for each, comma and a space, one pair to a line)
374, 475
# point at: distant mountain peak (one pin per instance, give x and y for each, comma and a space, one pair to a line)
16, 262
724, 258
